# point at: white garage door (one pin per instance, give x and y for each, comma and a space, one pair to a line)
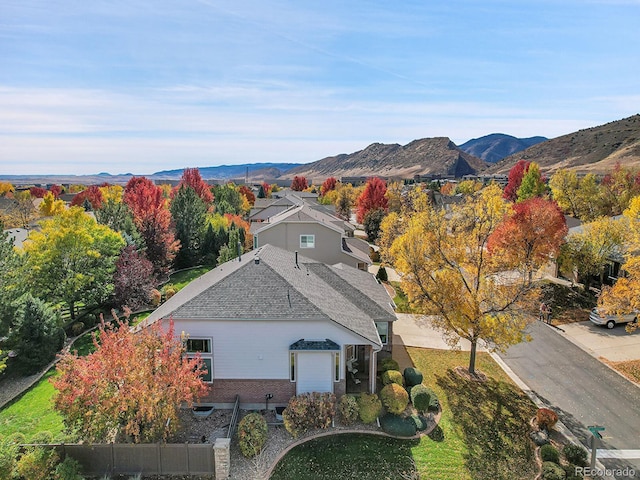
314, 372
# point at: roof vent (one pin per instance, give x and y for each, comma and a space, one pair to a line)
256, 260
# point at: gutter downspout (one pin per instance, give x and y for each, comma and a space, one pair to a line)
373, 368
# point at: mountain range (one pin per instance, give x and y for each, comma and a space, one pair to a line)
595, 149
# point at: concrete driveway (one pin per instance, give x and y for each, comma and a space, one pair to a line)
615, 345
417, 331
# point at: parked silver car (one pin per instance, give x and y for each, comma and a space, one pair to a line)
611, 320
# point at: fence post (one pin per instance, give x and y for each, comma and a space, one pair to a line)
222, 457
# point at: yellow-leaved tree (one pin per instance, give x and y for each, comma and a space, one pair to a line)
472, 292
624, 296
50, 206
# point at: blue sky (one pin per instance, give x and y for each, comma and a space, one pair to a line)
146, 85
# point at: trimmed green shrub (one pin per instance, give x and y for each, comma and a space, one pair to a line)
394, 398
570, 471
348, 408
42, 437
37, 464
546, 418
552, 471
392, 376
575, 454
8, 454
382, 274
252, 434
412, 376
420, 397
420, 421
388, 364
68, 469
308, 411
77, 328
549, 453
424, 399
370, 407
398, 426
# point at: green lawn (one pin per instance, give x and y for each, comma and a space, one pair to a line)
484, 426
347, 456
401, 300
482, 435
180, 279
33, 412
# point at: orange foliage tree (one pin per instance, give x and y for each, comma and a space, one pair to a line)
328, 185
248, 194
372, 197
299, 183
133, 384
515, 180
92, 194
153, 221
191, 178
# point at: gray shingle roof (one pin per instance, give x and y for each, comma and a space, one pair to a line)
276, 289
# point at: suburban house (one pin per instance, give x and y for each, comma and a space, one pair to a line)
316, 234
276, 323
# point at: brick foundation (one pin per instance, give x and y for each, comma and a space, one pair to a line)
250, 391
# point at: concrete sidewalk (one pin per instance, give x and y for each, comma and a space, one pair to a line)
613, 344
417, 331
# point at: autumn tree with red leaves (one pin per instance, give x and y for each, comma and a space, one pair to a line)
153, 221
37, 192
132, 386
328, 185
299, 183
530, 236
133, 279
56, 190
93, 195
265, 190
515, 180
372, 197
191, 178
248, 194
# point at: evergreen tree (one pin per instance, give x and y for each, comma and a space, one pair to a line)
188, 211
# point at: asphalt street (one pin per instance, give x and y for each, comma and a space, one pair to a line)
581, 389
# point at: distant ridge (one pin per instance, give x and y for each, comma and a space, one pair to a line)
496, 146
224, 172
595, 150
439, 156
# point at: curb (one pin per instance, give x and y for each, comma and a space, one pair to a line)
560, 427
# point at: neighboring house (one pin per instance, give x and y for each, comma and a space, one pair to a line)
265, 208
315, 234
277, 323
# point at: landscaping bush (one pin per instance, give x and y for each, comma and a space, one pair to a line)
156, 297
68, 469
388, 364
169, 291
348, 408
8, 454
374, 255
42, 437
420, 398
412, 376
394, 398
392, 376
37, 464
420, 421
570, 471
549, 453
370, 407
575, 454
308, 411
382, 274
77, 328
424, 399
552, 471
546, 418
398, 426
252, 434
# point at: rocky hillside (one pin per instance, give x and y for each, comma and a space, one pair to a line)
426, 156
595, 149
494, 147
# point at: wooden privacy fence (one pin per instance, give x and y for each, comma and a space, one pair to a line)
152, 459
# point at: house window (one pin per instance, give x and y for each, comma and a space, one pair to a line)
336, 361
203, 347
383, 331
307, 241
351, 353
292, 367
